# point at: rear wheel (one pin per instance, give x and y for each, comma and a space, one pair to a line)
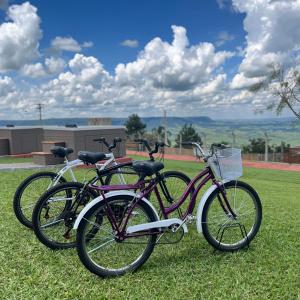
175, 183
124, 175
224, 231
28, 193
98, 246
56, 211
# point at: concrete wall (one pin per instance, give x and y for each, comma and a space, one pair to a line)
82, 138
4, 146
22, 139
29, 139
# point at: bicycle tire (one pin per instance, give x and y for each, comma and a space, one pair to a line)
217, 239
24, 185
83, 232
61, 221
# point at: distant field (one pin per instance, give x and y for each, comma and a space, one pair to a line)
279, 129
190, 269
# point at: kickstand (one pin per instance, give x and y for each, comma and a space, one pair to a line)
242, 229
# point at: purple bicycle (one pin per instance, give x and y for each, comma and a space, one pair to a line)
117, 231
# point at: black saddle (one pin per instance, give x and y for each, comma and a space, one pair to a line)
147, 167
61, 151
91, 157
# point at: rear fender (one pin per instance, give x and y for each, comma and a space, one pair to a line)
108, 195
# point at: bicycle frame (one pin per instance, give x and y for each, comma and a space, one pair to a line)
147, 186
69, 165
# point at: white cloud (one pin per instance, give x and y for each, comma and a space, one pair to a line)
51, 66
172, 66
19, 39
239, 81
273, 33
224, 37
87, 45
130, 43
33, 70
65, 43
55, 65
213, 86
6, 86
175, 75
68, 44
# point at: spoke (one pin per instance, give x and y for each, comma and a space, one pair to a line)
57, 199
51, 223
246, 213
100, 227
97, 248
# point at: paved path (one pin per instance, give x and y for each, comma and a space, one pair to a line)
251, 164
21, 166
32, 166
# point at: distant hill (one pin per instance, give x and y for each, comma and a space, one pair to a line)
151, 122
279, 129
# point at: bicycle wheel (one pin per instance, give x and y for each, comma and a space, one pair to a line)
225, 232
127, 173
175, 183
99, 248
28, 193
56, 211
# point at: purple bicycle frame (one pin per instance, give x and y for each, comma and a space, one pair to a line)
145, 189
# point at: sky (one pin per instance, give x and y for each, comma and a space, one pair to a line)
114, 58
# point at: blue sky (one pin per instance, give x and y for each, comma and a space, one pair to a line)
119, 57
108, 23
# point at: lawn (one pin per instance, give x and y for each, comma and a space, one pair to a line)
270, 269
10, 159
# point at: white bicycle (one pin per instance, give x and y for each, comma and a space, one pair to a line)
30, 189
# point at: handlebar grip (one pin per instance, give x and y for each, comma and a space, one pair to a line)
117, 140
101, 140
219, 145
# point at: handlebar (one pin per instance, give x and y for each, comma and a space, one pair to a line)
151, 151
109, 147
203, 154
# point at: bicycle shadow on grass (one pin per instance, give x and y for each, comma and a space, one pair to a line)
176, 255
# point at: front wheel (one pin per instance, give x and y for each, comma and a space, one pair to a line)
28, 193
98, 246
226, 231
56, 211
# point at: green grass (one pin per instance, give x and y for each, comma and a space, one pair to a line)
270, 269
10, 160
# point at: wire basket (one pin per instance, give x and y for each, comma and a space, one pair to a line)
226, 164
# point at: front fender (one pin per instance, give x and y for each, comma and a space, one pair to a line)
110, 194
202, 203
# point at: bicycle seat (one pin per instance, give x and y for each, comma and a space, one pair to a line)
147, 167
91, 157
61, 151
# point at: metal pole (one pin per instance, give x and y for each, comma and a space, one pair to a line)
233, 139
180, 141
166, 127
266, 146
39, 108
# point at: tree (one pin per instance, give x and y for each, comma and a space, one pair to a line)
159, 132
258, 146
283, 84
255, 146
135, 128
188, 134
